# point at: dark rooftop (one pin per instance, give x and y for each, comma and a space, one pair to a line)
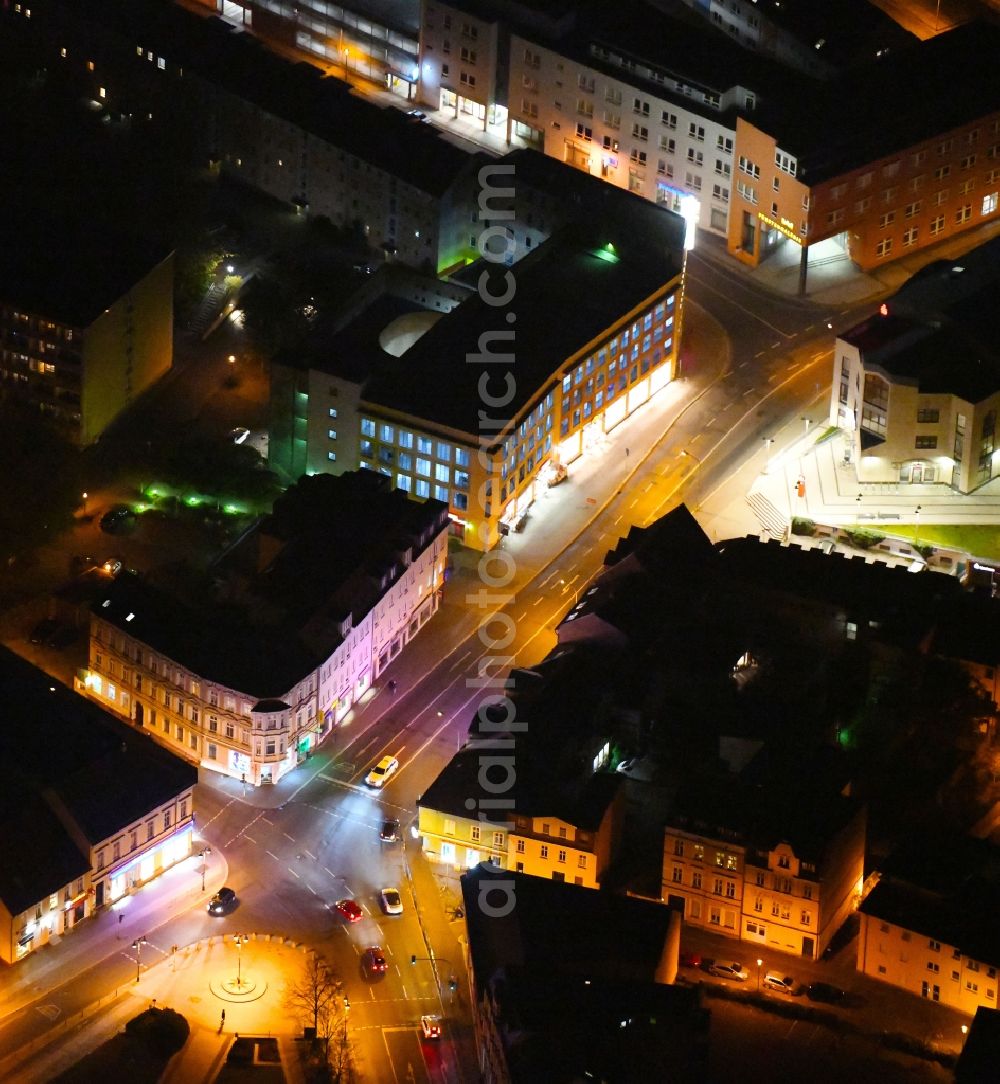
981, 1050
904, 603
318, 557
538, 790
70, 753
568, 292
941, 329
762, 816
557, 927
69, 273
296, 92
946, 887
897, 101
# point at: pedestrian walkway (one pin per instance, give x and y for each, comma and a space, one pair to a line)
111, 930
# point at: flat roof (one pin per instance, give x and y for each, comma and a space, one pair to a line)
941, 329
895, 102
68, 272
72, 754
297, 92
569, 291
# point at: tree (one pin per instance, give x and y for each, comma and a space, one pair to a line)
317, 997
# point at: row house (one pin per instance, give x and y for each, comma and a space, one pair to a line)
928, 926
755, 865
562, 829
95, 816
253, 703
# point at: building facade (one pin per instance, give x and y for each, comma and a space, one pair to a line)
77, 354
256, 704
769, 893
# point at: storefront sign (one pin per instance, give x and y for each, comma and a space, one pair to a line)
784, 226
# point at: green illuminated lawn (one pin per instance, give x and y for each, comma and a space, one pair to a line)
979, 541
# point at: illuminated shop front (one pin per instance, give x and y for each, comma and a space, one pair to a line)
138, 869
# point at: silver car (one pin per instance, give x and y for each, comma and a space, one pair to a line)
725, 970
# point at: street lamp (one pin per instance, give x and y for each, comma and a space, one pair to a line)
240, 938
768, 441
231, 359
916, 529
85, 495
689, 455
137, 945
759, 962
205, 852
857, 502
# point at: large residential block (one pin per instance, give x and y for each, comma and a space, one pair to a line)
93, 813
86, 324
929, 924
318, 601
917, 386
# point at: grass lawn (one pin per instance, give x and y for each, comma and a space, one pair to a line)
122, 1058
979, 541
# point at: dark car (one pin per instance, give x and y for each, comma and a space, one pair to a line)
373, 962
43, 630
63, 636
223, 901
689, 959
825, 991
118, 519
389, 832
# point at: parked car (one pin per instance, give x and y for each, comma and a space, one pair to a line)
382, 772
782, 984
112, 566
222, 902
389, 832
63, 636
118, 519
626, 765
43, 630
726, 970
416, 114
689, 959
431, 1027
349, 909
391, 901
239, 434
372, 961
825, 991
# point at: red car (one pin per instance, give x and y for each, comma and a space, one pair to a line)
350, 910
690, 959
373, 961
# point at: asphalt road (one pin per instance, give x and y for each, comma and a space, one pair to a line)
290, 864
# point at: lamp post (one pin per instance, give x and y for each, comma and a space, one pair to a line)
137, 945
857, 517
690, 455
768, 441
759, 962
85, 496
205, 852
240, 938
916, 529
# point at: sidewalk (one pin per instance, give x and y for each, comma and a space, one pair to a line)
109, 931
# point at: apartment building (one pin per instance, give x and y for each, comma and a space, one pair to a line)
94, 813
279, 126
317, 602
563, 829
880, 162
928, 925
775, 866
86, 324
371, 39
917, 386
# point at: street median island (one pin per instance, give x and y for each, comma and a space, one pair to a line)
138, 1054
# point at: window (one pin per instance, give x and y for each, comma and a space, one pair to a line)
678, 875
679, 848
963, 214
884, 247
887, 219
520, 846
544, 853
934, 946
989, 203
926, 442
912, 209
910, 236
367, 427
937, 225
474, 833
927, 414
581, 861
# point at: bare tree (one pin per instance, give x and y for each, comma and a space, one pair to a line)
317, 996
